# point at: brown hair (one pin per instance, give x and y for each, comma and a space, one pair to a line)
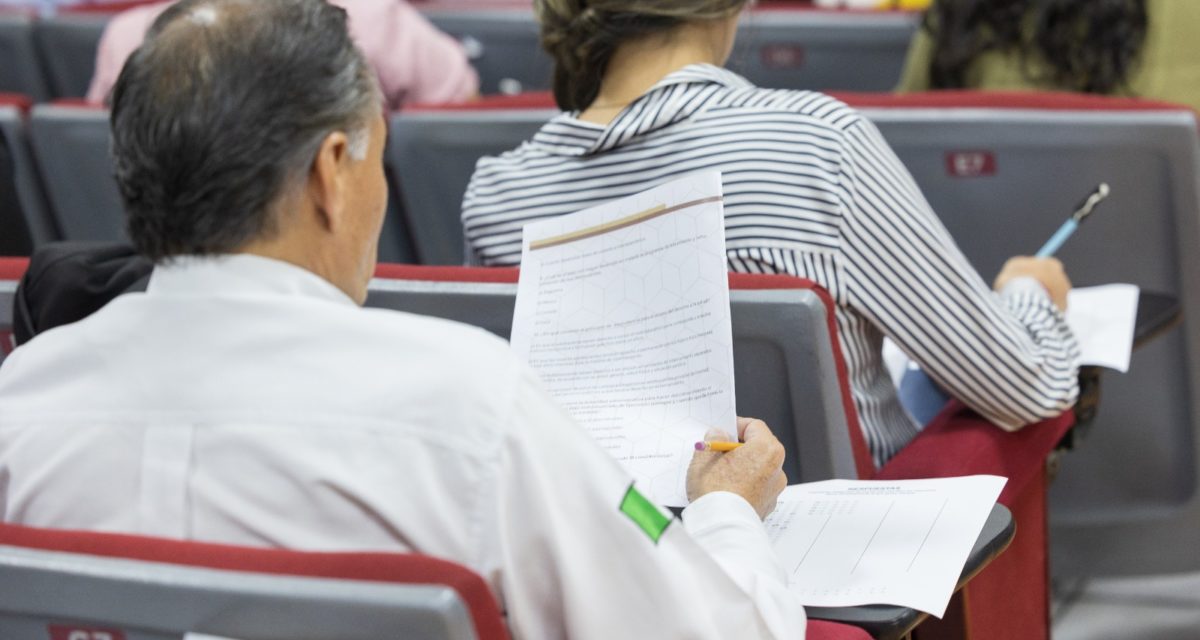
582, 35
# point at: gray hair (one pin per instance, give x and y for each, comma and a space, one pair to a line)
221, 111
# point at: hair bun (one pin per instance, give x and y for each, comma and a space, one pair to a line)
581, 35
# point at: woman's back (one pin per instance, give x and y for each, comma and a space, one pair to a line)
812, 190
778, 151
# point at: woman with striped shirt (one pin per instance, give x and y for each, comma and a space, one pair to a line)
811, 189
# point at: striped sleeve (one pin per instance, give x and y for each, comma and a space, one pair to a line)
1009, 356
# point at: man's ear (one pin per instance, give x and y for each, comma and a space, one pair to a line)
327, 180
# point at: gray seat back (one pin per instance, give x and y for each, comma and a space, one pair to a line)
71, 146
20, 71
823, 50
1002, 180
50, 594
67, 44
784, 364
8, 289
777, 48
35, 218
502, 45
433, 154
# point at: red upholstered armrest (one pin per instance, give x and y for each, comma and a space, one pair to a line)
20, 101
961, 442
375, 567
972, 99
13, 268
825, 630
393, 271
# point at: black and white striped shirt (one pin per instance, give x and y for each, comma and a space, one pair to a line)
811, 189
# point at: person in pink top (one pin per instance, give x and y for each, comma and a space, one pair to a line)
413, 60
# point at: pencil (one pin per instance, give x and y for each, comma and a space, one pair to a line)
717, 446
1083, 210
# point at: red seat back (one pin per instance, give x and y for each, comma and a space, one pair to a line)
20, 101
373, 567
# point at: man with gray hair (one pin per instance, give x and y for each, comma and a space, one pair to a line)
246, 397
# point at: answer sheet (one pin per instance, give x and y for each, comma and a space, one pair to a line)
623, 311
1103, 319
845, 543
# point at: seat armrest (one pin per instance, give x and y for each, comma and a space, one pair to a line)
960, 442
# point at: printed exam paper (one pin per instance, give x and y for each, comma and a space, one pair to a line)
623, 311
845, 543
1103, 319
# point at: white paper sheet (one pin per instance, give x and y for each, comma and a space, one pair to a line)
1103, 320
623, 310
851, 542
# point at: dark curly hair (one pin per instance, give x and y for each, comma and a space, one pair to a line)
1089, 45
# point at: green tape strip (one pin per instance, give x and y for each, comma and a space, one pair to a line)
648, 516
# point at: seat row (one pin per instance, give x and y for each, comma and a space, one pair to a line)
800, 386
1001, 170
54, 57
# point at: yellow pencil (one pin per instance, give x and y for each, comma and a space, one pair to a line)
717, 446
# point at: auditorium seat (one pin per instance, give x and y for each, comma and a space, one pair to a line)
71, 147
806, 48
14, 233
780, 46
24, 219
785, 353
74, 584
433, 153
11, 270
1003, 171
20, 72
792, 384
105, 594
1011, 594
67, 44
501, 43
65, 585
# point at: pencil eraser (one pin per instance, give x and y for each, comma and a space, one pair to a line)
700, 446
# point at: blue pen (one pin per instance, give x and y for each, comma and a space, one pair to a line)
1082, 211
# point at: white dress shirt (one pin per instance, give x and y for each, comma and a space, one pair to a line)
248, 401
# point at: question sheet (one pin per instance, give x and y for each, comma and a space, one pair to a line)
1103, 319
623, 311
845, 543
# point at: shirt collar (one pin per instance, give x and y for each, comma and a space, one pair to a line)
240, 274
671, 100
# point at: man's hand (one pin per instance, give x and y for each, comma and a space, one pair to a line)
753, 470
1047, 271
